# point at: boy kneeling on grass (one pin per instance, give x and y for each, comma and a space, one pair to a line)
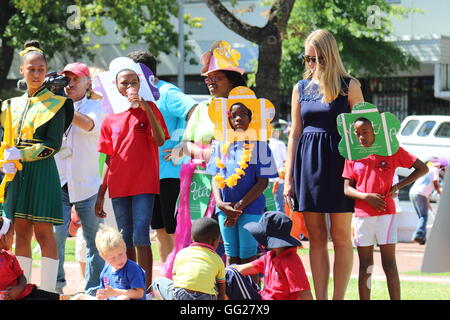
198, 270
284, 275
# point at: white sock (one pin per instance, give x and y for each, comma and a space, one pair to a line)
26, 264
49, 274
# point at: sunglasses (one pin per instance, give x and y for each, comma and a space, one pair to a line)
213, 79
312, 59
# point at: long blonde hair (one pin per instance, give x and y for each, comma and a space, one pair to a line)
331, 71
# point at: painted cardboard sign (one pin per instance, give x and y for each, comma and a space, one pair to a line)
385, 125
263, 111
105, 84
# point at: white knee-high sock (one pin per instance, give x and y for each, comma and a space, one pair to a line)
49, 274
26, 264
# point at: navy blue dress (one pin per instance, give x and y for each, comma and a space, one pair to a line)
319, 186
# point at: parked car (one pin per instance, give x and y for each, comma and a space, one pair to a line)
425, 136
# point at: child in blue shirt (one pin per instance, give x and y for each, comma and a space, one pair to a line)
121, 278
240, 171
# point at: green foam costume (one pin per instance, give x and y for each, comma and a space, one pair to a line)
385, 125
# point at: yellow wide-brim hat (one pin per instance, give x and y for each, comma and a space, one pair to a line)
220, 57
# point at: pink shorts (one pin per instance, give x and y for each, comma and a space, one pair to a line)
379, 230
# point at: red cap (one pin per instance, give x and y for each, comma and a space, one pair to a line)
77, 68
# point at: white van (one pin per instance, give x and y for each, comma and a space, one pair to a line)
425, 136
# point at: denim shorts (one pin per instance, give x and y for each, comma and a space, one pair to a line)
133, 216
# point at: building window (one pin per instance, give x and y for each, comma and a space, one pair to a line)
445, 77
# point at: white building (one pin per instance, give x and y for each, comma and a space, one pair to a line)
425, 35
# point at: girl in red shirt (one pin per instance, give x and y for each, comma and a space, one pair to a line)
130, 140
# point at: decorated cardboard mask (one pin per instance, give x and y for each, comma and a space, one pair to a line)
385, 125
105, 84
220, 57
262, 113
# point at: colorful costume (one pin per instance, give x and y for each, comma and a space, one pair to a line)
38, 125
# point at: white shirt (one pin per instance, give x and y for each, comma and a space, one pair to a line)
79, 167
279, 152
424, 185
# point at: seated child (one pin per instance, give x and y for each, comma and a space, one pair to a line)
13, 284
284, 275
369, 182
197, 268
121, 278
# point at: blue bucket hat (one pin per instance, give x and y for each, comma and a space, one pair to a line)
273, 230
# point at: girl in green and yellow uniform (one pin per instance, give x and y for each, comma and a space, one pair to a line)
33, 126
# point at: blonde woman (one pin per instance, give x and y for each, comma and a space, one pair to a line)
314, 165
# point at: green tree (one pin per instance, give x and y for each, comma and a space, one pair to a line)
359, 30
64, 26
45, 21
269, 39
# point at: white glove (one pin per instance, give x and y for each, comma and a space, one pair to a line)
12, 154
9, 167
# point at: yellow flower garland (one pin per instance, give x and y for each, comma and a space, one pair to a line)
232, 180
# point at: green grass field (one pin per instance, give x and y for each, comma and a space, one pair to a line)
410, 290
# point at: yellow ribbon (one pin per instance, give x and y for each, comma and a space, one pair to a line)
8, 142
29, 49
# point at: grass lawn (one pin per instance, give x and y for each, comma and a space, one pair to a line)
418, 273
409, 290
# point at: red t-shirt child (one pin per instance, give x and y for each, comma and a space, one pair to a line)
134, 161
284, 275
374, 174
10, 271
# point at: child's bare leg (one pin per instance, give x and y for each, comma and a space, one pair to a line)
390, 269
131, 253
83, 296
145, 260
233, 260
305, 295
365, 255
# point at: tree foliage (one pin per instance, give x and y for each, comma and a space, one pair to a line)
359, 26
359, 31
67, 25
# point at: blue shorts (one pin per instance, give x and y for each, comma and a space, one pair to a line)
133, 216
238, 241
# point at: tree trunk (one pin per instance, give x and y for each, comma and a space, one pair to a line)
268, 73
6, 51
269, 40
6, 58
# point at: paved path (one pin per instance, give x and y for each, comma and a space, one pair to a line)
409, 258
